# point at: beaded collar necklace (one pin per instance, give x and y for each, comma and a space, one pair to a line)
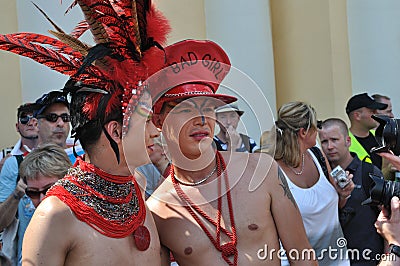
228, 249
112, 205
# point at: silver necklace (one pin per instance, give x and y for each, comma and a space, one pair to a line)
302, 167
198, 182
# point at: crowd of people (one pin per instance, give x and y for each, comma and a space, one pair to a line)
148, 180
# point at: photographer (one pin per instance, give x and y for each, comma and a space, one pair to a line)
388, 226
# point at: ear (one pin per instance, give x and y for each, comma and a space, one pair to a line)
347, 141
302, 132
16, 127
114, 129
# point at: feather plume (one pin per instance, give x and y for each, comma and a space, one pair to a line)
74, 43
48, 18
45, 56
80, 29
99, 33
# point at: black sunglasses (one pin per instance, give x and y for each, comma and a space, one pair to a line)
52, 117
35, 194
25, 119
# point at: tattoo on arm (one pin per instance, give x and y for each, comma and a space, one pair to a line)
285, 186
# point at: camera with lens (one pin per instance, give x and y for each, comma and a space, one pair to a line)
387, 134
388, 138
382, 191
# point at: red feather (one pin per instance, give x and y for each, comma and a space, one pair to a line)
40, 54
80, 29
46, 40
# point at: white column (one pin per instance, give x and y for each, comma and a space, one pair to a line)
374, 37
243, 29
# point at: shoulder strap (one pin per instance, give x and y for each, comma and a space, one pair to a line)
321, 159
246, 141
366, 169
19, 161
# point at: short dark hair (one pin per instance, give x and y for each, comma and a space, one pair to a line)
336, 122
88, 131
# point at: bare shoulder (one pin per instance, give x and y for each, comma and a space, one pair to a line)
165, 194
54, 214
51, 233
257, 170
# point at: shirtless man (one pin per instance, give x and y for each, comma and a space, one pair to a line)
96, 215
67, 230
187, 205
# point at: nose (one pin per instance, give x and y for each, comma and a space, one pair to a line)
200, 120
60, 122
33, 122
330, 145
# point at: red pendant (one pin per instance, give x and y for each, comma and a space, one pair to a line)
142, 238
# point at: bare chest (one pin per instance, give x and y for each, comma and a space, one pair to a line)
93, 248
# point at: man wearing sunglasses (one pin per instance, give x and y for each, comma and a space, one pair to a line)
10, 191
39, 171
53, 118
54, 122
27, 128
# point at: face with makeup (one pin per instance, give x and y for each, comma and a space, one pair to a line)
188, 125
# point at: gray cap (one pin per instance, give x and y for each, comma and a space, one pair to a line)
232, 107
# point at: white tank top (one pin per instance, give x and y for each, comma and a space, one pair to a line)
318, 207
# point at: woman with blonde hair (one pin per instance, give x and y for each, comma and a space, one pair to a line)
316, 195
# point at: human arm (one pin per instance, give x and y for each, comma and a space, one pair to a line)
234, 140
389, 229
9, 207
393, 159
4, 159
287, 218
48, 236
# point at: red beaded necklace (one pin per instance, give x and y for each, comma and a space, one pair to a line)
112, 205
227, 249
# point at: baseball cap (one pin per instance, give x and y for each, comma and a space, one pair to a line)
26, 108
233, 107
48, 99
363, 100
194, 68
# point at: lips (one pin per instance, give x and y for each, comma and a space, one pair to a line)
199, 135
150, 147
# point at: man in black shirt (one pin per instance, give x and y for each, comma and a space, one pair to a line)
357, 221
359, 109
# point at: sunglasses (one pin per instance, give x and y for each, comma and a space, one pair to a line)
25, 119
52, 117
35, 194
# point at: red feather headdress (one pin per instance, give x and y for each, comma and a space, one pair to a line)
128, 36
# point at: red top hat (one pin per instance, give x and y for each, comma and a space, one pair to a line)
194, 68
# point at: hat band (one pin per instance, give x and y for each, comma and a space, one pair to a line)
188, 93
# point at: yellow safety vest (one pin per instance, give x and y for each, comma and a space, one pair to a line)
359, 149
